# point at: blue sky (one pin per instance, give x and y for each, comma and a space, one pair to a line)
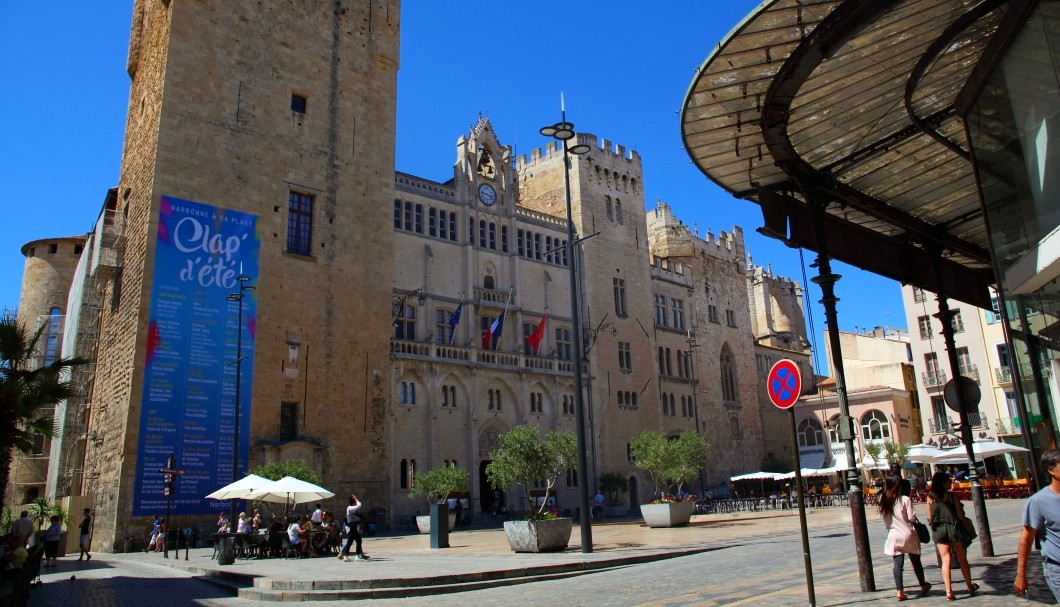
623, 66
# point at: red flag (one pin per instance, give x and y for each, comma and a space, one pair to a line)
535, 339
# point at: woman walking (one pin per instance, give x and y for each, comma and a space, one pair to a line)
898, 516
945, 514
353, 522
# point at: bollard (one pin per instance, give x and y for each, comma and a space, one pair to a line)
440, 525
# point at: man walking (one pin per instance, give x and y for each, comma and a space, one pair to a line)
23, 528
85, 526
1042, 514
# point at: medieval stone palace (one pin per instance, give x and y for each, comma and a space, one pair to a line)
261, 260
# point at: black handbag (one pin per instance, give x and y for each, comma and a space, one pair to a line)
922, 531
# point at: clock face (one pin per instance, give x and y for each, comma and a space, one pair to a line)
487, 194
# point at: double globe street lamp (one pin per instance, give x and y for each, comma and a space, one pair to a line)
564, 131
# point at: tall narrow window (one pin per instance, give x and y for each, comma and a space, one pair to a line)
405, 323
924, 322
418, 227
288, 421
504, 239
51, 341
443, 335
619, 286
299, 223
677, 307
728, 375
625, 359
432, 221
563, 341
660, 309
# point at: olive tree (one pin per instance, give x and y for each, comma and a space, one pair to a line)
524, 458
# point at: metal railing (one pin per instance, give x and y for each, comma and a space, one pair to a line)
948, 424
1009, 425
934, 379
1003, 374
970, 371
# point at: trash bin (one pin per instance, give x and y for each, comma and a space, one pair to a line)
226, 550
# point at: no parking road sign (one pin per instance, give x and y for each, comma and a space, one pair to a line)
784, 383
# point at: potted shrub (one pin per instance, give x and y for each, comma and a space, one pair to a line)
670, 463
436, 484
613, 485
523, 459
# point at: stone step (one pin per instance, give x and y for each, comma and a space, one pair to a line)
396, 591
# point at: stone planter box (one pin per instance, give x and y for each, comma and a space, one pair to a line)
672, 514
538, 536
423, 523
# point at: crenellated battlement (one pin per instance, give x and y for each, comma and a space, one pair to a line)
601, 149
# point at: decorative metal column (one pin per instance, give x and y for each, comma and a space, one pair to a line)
855, 496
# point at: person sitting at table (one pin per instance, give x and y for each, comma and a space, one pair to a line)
223, 525
320, 538
333, 533
241, 524
257, 521
296, 534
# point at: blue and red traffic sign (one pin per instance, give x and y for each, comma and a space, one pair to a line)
784, 383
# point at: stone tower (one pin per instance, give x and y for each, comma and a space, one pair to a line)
279, 116
49, 269
607, 196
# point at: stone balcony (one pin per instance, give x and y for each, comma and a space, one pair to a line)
477, 357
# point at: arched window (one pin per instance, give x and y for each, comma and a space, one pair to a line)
728, 375
610, 213
665, 404
874, 425
810, 433
833, 430
487, 282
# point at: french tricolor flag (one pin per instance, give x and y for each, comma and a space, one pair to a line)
492, 334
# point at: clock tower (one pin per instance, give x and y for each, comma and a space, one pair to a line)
483, 171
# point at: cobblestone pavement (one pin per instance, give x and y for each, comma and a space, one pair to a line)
757, 562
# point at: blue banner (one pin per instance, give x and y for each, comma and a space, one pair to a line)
193, 340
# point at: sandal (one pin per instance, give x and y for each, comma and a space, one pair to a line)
950, 597
924, 589
972, 589
902, 596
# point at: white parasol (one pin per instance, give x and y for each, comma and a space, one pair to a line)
239, 489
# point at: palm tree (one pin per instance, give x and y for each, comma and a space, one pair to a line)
27, 395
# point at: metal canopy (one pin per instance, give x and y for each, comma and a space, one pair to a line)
852, 103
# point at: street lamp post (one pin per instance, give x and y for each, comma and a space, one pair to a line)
695, 402
237, 297
564, 131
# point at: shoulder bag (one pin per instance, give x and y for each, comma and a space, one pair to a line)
922, 531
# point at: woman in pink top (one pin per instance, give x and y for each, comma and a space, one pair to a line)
898, 516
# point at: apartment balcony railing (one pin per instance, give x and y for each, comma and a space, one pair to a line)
1003, 374
943, 425
934, 379
970, 371
1009, 425
428, 351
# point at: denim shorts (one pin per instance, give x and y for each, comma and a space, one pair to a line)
1051, 570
